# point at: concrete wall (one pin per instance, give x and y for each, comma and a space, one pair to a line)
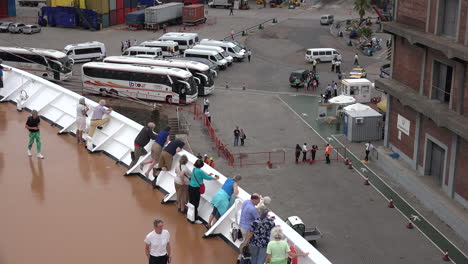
413, 12
408, 59
461, 175
406, 144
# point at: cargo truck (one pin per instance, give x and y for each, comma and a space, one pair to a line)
170, 13
223, 3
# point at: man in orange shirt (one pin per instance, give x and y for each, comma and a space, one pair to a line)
327, 153
212, 163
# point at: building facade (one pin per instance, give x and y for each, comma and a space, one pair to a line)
427, 104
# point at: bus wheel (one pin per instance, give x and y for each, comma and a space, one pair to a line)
169, 99
114, 92
102, 92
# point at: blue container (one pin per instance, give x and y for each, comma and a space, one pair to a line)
11, 8
137, 17
146, 2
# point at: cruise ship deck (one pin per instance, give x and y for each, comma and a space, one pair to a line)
75, 207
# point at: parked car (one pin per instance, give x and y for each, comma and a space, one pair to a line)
385, 71
357, 73
298, 77
4, 26
16, 27
31, 29
326, 19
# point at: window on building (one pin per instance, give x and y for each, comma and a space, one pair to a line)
448, 18
442, 82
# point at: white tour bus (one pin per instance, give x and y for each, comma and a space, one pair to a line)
92, 51
232, 49
139, 81
138, 50
211, 55
185, 40
201, 72
46, 63
220, 50
322, 54
169, 48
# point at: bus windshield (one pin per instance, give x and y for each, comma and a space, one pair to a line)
193, 85
63, 65
206, 77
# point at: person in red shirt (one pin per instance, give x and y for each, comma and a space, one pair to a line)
327, 153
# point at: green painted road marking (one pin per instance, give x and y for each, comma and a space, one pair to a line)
309, 105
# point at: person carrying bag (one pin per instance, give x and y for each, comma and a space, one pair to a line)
195, 187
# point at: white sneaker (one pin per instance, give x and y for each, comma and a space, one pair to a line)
40, 156
198, 222
29, 153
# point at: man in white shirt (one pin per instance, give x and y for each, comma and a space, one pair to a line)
304, 152
369, 147
158, 248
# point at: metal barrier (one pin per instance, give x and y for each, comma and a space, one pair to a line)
244, 32
259, 158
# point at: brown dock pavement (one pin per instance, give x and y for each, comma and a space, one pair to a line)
75, 207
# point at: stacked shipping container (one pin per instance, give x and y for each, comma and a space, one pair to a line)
118, 10
7, 8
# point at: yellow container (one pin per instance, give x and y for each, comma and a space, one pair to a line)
54, 3
101, 6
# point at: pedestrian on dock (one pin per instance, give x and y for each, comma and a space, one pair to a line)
249, 54
298, 152
167, 156
327, 153
304, 152
259, 235
81, 114
196, 181
161, 140
135, 43
181, 182
314, 151
1, 73
356, 59
236, 136
212, 163
208, 117
369, 147
333, 63
158, 246
142, 139
32, 124
338, 66
242, 137
335, 88
222, 200
231, 10
314, 65
206, 104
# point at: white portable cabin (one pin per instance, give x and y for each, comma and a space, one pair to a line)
360, 89
362, 123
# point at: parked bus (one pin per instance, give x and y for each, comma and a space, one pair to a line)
200, 71
46, 63
139, 81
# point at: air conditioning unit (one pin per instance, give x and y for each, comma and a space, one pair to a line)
360, 120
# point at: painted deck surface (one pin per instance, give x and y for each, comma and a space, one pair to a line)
74, 207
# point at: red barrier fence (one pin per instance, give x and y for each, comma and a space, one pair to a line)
259, 158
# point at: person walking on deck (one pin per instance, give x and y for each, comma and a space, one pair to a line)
158, 246
32, 124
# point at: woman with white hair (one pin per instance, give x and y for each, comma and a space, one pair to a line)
81, 110
278, 249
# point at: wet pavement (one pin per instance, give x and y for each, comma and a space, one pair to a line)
74, 207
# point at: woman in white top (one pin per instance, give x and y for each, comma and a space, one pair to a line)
181, 183
81, 110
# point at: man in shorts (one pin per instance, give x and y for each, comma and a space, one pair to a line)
165, 160
141, 140
161, 140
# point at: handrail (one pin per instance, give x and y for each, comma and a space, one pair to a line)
257, 26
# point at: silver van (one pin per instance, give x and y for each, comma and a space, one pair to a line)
326, 19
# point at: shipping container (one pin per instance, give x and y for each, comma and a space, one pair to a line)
137, 17
120, 16
130, 3
193, 13
134, 9
105, 20
164, 13
112, 4
11, 8
120, 4
101, 6
113, 17
3, 9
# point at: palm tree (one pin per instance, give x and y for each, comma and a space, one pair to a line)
362, 6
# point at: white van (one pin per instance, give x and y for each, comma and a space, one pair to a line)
193, 35
185, 40
232, 49
322, 54
211, 55
138, 50
169, 48
93, 51
220, 50
326, 19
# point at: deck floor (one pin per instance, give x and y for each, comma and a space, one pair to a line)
74, 207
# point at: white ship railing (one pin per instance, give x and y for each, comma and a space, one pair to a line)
57, 105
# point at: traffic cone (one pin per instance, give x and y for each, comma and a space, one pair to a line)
410, 224
350, 165
390, 203
446, 256
227, 85
366, 181
346, 161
